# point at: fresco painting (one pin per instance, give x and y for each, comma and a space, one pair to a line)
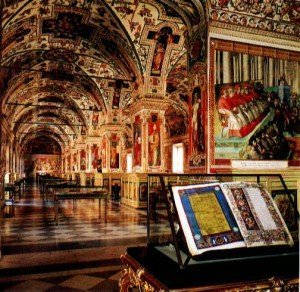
137, 142
154, 141
114, 152
83, 161
42, 163
94, 156
163, 38
103, 152
253, 122
68, 26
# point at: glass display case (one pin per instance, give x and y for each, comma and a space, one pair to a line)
167, 263
165, 233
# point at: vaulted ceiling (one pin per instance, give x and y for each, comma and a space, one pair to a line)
62, 61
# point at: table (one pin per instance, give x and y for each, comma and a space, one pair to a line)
146, 269
80, 195
48, 180
61, 184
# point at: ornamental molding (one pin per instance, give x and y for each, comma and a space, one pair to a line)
148, 104
107, 129
253, 36
131, 279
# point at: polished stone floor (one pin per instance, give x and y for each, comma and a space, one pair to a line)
81, 253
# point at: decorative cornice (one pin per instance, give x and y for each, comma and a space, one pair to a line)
254, 36
148, 104
252, 49
111, 128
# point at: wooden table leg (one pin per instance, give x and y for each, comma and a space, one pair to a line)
105, 210
99, 208
56, 210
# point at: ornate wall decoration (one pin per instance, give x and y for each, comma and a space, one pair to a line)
42, 163
272, 16
137, 142
176, 123
83, 161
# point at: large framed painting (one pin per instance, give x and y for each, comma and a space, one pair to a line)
254, 104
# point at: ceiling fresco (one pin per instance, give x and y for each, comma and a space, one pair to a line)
64, 62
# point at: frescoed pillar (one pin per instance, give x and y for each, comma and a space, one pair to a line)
148, 135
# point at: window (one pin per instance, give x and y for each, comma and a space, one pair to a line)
177, 161
129, 162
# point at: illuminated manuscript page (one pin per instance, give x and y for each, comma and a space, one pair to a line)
209, 214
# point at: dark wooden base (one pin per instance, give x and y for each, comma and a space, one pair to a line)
149, 270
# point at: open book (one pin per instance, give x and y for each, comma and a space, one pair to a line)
228, 215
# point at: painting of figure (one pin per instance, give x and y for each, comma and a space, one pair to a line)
94, 155
114, 155
69, 162
137, 142
154, 142
103, 152
197, 126
163, 37
82, 159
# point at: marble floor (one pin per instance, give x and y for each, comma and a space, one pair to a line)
81, 253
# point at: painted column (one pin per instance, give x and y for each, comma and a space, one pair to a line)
296, 85
271, 72
218, 67
281, 68
260, 68
226, 67
245, 72
235, 69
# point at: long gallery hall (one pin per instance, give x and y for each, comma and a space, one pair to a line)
149, 145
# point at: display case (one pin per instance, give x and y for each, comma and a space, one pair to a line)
166, 262
164, 227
